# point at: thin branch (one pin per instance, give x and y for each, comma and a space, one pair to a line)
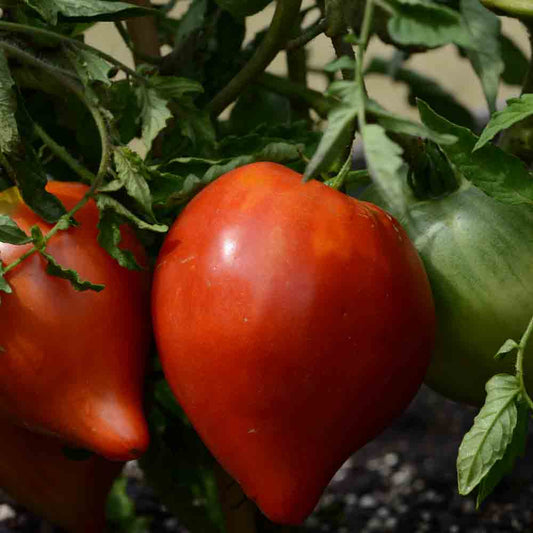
32, 30
308, 35
143, 33
285, 17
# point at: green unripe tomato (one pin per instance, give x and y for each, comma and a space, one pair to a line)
243, 8
520, 9
478, 255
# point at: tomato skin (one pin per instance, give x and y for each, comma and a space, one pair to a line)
293, 324
478, 256
36, 473
74, 362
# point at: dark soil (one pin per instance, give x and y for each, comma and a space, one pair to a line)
403, 481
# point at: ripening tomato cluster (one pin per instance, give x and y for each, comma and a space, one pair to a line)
293, 324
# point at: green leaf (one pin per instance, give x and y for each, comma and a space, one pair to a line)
50, 9
154, 113
420, 22
10, 232
9, 135
426, 89
509, 346
495, 172
486, 442
104, 202
386, 167
517, 109
55, 269
339, 132
391, 122
4, 285
515, 62
484, 50
132, 173
515, 449
110, 236
89, 66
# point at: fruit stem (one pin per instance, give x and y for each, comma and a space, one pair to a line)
338, 181
281, 28
520, 362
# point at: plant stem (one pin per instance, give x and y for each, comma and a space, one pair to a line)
520, 362
285, 17
308, 35
31, 30
360, 55
60, 152
152, 60
338, 181
342, 48
320, 103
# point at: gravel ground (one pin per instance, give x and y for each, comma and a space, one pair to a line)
403, 481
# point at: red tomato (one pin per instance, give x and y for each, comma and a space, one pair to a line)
73, 362
70, 494
293, 324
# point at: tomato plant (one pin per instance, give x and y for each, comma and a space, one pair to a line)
292, 323
64, 371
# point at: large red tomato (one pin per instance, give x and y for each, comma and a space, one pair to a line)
70, 494
73, 362
293, 324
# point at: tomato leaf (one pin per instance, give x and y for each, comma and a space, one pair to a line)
339, 132
386, 166
516, 63
10, 232
103, 201
89, 66
50, 9
9, 135
494, 171
426, 89
132, 174
515, 449
154, 113
484, 49
417, 22
486, 442
55, 269
509, 346
4, 285
391, 122
517, 109
110, 236
174, 87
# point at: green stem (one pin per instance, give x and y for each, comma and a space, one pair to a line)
308, 35
528, 83
314, 99
26, 57
31, 30
342, 48
338, 181
62, 153
359, 60
520, 361
282, 25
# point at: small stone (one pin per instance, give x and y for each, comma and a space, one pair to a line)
367, 501
391, 523
350, 499
454, 528
403, 476
382, 512
6, 512
391, 459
